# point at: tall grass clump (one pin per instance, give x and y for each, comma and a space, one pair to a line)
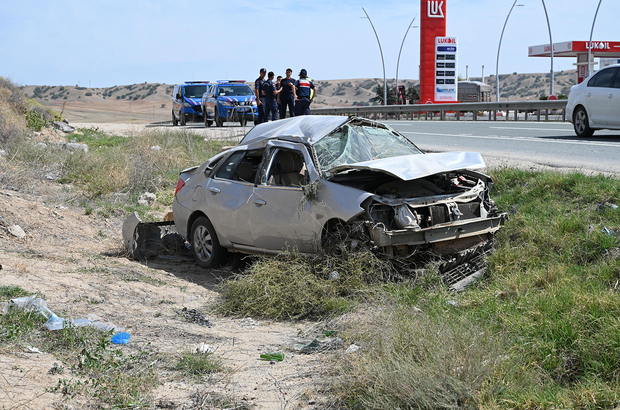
411, 360
292, 286
547, 311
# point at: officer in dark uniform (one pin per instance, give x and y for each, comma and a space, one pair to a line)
278, 87
271, 92
286, 95
303, 94
260, 103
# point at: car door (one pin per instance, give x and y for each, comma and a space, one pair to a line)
225, 200
613, 114
597, 96
282, 217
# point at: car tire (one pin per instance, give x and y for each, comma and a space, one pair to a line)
183, 121
175, 122
243, 120
581, 123
207, 122
205, 245
218, 120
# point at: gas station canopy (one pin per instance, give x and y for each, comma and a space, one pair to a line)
579, 49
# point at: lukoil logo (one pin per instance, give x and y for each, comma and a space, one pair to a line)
434, 9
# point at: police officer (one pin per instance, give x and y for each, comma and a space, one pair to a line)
260, 101
286, 95
278, 87
270, 92
303, 93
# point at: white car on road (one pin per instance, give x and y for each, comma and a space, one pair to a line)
595, 103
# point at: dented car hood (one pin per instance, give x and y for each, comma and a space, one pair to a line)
410, 167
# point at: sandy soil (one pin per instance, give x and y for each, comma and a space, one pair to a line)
77, 262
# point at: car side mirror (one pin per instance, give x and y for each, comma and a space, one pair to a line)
178, 96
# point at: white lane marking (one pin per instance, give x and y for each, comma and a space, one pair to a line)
532, 129
497, 137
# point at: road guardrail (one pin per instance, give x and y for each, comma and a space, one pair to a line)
480, 110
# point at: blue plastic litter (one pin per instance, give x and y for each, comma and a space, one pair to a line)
121, 338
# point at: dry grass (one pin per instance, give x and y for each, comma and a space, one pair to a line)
292, 286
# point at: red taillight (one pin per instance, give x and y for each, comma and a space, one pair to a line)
180, 184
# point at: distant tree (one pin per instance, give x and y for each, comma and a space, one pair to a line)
413, 94
391, 96
543, 97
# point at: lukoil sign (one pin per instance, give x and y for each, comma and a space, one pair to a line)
434, 9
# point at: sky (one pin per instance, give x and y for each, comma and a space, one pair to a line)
98, 43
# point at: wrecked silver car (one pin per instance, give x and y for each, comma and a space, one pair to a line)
309, 182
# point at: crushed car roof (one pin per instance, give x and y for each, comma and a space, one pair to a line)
309, 128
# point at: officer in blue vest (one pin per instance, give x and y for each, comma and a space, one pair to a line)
303, 93
271, 92
286, 95
260, 100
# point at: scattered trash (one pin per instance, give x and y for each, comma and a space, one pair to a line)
33, 350
607, 205
205, 348
609, 232
29, 304
330, 333
121, 338
195, 316
317, 345
352, 348
36, 304
17, 231
334, 275
155, 148
313, 346
276, 357
452, 303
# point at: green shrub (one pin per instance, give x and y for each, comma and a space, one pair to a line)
291, 286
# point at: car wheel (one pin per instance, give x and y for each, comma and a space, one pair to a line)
175, 122
243, 120
581, 123
218, 120
207, 122
205, 245
183, 120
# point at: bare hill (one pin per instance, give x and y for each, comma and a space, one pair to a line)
149, 102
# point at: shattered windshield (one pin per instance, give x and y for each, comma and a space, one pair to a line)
358, 143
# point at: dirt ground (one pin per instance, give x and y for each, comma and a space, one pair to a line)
77, 263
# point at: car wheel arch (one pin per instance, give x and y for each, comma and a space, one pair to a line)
330, 226
191, 220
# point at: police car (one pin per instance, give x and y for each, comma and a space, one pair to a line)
186, 101
227, 101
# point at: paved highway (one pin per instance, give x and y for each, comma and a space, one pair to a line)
531, 144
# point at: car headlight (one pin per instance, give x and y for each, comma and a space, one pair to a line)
188, 105
225, 103
253, 103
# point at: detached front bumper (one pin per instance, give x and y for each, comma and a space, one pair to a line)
439, 233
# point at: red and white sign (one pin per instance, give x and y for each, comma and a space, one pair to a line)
573, 48
432, 25
434, 9
446, 78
